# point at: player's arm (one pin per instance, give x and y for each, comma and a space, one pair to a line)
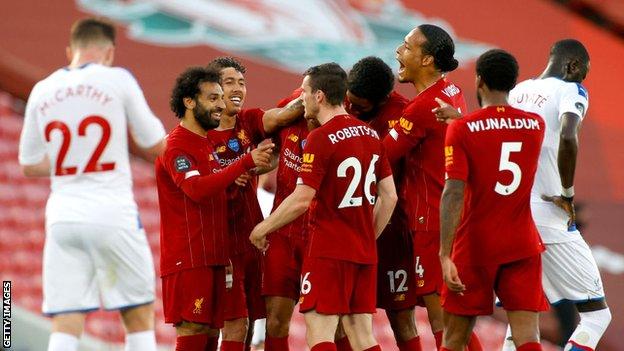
41, 169
386, 201
451, 206
145, 129
276, 118
33, 160
201, 187
292, 207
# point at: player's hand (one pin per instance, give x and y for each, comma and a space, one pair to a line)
565, 204
243, 179
451, 278
445, 112
262, 155
258, 238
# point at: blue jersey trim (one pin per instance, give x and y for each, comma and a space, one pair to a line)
578, 301
80, 310
125, 307
582, 91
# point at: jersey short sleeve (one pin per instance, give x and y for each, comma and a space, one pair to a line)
407, 133
145, 127
180, 165
573, 99
32, 148
315, 161
383, 169
455, 159
254, 124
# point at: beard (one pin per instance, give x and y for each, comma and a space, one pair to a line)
203, 116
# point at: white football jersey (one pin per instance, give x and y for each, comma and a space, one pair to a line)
550, 98
80, 118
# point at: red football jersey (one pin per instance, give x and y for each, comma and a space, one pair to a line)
342, 160
495, 151
292, 139
192, 234
420, 138
231, 145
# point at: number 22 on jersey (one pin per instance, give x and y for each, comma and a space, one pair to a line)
92, 164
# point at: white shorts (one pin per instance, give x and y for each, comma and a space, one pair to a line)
84, 264
570, 272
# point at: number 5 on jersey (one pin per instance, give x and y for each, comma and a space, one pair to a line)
507, 165
92, 164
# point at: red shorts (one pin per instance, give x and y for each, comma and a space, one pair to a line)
244, 299
282, 266
427, 263
337, 287
517, 284
396, 280
194, 295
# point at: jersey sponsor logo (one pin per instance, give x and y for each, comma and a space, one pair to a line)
293, 138
182, 164
406, 125
399, 297
244, 139
234, 145
581, 108
448, 154
221, 149
198, 305
308, 158
392, 123
500, 109
503, 123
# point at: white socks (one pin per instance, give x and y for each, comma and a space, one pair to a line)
62, 342
508, 345
589, 331
141, 341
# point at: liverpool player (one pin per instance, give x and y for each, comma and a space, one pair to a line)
489, 242
192, 197
239, 131
345, 159
424, 58
371, 98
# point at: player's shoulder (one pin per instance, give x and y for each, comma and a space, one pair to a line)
397, 99
573, 89
247, 113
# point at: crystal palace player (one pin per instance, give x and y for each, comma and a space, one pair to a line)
345, 159
79, 118
192, 197
239, 131
489, 242
371, 99
570, 271
424, 57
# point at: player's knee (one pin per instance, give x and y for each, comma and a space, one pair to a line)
189, 328
277, 325
71, 323
139, 318
403, 324
235, 330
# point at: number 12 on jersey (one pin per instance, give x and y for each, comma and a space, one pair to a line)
348, 199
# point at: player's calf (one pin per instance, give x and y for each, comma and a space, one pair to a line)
320, 328
279, 314
359, 330
524, 327
457, 331
590, 329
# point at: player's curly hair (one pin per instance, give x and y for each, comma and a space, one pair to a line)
440, 45
498, 69
371, 79
329, 78
187, 85
225, 62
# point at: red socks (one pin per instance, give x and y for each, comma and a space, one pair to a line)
530, 346
412, 344
232, 346
342, 344
474, 344
374, 348
191, 342
276, 344
324, 346
438, 338
212, 344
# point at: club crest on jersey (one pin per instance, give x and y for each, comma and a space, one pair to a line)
234, 145
242, 136
198, 305
581, 108
182, 164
